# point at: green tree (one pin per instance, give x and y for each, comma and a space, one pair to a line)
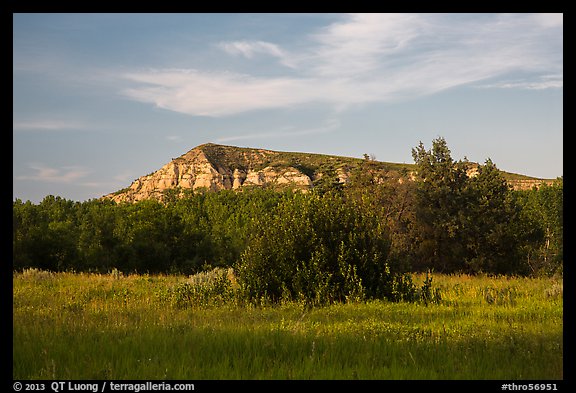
490, 218
29, 228
96, 241
146, 238
543, 224
440, 198
466, 223
387, 196
327, 180
45, 235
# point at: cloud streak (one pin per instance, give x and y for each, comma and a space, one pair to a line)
249, 49
44, 173
48, 125
289, 131
216, 94
364, 59
542, 83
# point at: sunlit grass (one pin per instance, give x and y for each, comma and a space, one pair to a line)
79, 326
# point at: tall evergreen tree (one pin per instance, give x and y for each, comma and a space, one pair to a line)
440, 198
489, 222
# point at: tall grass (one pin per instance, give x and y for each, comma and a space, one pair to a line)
111, 326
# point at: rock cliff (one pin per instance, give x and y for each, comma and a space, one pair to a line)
217, 167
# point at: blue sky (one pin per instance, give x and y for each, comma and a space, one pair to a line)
101, 99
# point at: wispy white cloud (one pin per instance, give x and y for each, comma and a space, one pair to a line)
76, 175
48, 125
117, 181
250, 48
542, 83
44, 173
361, 43
216, 94
174, 138
364, 58
288, 131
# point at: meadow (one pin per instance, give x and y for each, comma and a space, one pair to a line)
115, 326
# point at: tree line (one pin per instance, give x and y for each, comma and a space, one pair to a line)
338, 241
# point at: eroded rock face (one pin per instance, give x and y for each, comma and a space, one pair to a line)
528, 184
238, 178
194, 170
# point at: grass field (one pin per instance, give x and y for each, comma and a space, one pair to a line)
91, 326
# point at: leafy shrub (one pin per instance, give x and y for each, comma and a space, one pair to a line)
427, 294
204, 289
321, 249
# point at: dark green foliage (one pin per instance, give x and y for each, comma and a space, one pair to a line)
477, 223
184, 235
44, 235
492, 243
388, 196
327, 180
440, 203
320, 249
427, 294
542, 227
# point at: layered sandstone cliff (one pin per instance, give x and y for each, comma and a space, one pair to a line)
215, 167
